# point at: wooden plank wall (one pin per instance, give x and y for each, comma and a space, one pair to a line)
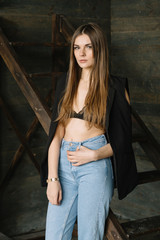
31, 21
135, 53
135, 41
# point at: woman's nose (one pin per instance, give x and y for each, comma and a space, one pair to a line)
82, 52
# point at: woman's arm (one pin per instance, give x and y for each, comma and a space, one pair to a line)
53, 152
54, 192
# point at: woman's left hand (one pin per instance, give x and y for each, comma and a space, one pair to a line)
81, 156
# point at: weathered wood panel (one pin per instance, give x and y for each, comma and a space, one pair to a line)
135, 23
135, 45
26, 27
82, 9
135, 8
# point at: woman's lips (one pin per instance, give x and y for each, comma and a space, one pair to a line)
82, 61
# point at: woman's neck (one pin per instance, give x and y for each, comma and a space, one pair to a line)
85, 75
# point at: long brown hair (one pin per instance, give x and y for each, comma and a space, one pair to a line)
96, 99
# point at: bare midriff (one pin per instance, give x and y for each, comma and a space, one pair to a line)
77, 130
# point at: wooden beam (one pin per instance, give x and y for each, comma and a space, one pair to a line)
152, 153
150, 146
147, 177
10, 58
66, 28
37, 75
4, 237
114, 230
145, 129
18, 133
45, 74
142, 226
138, 138
37, 44
54, 32
18, 154
31, 236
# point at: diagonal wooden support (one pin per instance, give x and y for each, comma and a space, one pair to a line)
4, 237
114, 230
10, 58
66, 28
18, 133
150, 145
18, 154
148, 177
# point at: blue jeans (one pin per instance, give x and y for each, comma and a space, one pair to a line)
86, 193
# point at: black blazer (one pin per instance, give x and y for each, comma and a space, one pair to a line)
118, 134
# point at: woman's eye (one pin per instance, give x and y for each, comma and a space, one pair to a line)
75, 47
89, 46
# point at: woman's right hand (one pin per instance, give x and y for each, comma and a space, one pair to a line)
54, 192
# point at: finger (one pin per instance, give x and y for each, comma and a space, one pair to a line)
73, 160
76, 164
71, 157
53, 199
60, 197
54, 202
71, 153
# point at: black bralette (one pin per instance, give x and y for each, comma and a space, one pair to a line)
79, 115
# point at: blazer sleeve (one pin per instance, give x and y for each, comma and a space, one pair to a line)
120, 135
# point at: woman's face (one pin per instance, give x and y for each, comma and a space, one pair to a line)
83, 51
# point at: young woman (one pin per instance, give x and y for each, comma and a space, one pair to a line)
90, 130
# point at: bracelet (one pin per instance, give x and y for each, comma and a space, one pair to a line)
52, 180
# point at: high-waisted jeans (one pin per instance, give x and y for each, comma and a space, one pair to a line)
86, 193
